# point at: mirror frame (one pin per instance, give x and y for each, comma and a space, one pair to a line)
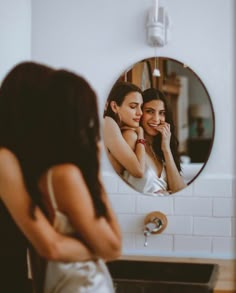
140, 73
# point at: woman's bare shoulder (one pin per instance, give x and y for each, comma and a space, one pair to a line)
65, 174
110, 123
6, 155
111, 131
9, 164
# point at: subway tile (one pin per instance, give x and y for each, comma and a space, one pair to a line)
193, 206
157, 242
225, 246
110, 182
213, 186
212, 226
184, 244
123, 203
234, 186
179, 225
187, 191
123, 187
128, 241
233, 220
131, 223
224, 207
146, 204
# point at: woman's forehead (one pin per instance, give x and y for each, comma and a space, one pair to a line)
154, 104
133, 97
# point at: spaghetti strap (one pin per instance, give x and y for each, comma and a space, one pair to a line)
50, 190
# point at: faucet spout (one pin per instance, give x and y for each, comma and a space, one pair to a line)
154, 223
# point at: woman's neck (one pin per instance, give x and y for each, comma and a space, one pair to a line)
148, 138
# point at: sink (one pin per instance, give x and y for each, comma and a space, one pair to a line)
162, 277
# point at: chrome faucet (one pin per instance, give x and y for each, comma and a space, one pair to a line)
152, 227
155, 223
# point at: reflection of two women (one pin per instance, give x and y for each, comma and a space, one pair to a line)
140, 141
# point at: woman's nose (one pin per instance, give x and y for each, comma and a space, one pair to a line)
139, 112
157, 118
162, 119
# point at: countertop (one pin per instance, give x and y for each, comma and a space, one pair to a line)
226, 281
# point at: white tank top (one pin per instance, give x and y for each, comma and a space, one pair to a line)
150, 183
61, 222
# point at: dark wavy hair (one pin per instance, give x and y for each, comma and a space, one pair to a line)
117, 94
50, 117
154, 94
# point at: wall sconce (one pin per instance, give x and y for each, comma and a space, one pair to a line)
198, 113
158, 25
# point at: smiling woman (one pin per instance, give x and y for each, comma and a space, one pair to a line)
160, 144
162, 167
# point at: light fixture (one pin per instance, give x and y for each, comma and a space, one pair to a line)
157, 26
157, 30
200, 112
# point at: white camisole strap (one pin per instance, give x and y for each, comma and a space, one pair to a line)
50, 190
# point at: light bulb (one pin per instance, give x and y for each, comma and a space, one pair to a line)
156, 72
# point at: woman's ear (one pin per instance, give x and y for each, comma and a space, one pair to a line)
114, 106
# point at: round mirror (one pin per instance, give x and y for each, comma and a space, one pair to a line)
158, 126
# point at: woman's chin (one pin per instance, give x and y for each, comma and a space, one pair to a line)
152, 132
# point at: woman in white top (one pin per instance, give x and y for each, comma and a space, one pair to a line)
162, 175
20, 92
54, 134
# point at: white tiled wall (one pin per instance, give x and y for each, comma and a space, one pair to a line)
201, 218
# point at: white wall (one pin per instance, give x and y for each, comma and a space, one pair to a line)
15, 33
100, 39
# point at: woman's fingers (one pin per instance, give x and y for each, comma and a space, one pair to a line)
163, 128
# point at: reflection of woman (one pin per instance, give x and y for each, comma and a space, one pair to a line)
162, 174
121, 126
56, 142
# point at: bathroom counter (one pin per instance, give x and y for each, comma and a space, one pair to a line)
226, 282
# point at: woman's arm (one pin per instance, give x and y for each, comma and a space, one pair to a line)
130, 158
47, 242
102, 236
174, 179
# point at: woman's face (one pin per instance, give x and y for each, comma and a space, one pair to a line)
154, 113
130, 111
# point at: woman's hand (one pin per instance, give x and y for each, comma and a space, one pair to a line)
140, 133
164, 129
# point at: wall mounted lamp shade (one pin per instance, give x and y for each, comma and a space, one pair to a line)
199, 113
158, 25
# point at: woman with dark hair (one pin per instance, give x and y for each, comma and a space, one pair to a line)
121, 125
19, 103
53, 132
162, 173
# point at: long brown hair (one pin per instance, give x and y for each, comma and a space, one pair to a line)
49, 117
154, 94
117, 94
